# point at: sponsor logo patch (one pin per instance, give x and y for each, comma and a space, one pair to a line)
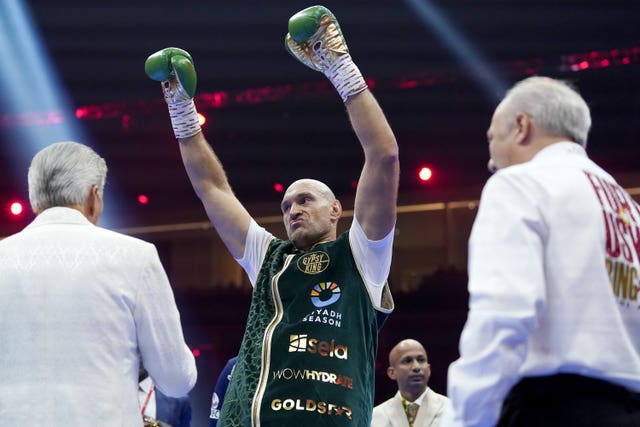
324, 294
313, 262
312, 375
325, 316
308, 405
303, 344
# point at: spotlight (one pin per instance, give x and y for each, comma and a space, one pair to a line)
202, 119
16, 209
425, 174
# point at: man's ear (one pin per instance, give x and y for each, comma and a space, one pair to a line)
336, 210
391, 373
93, 205
523, 128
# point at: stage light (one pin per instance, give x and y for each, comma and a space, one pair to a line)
33, 93
425, 174
16, 208
143, 199
32, 90
196, 352
278, 187
458, 45
125, 121
600, 59
202, 119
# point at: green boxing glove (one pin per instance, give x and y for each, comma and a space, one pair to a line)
174, 68
315, 39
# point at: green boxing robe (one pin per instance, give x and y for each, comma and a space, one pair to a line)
308, 354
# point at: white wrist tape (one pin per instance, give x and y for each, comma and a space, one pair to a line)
184, 119
346, 77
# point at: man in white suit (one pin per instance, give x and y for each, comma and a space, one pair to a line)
80, 306
415, 404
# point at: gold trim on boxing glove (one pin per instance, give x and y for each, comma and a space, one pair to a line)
327, 52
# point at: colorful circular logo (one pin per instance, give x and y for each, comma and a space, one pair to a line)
325, 293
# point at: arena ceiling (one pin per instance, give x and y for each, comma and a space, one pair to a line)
273, 120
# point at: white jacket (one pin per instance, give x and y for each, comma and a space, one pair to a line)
79, 307
390, 413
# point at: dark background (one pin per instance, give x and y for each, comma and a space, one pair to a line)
438, 105
280, 120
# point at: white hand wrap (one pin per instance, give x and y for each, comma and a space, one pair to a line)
346, 77
184, 119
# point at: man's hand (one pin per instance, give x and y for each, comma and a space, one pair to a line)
315, 39
174, 68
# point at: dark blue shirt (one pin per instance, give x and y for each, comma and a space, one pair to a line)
220, 390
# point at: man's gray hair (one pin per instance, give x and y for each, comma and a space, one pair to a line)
63, 173
553, 105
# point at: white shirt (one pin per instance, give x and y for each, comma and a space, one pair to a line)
372, 256
540, 283
420, 398
79, 307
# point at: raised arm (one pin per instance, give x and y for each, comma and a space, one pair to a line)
315, 39
174, 68
228, 216
377, 193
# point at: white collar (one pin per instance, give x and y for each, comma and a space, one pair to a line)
60, 214
420, 398
558, 148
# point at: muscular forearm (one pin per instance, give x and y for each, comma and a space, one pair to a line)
371, 127
203, 166
376, 197
210, 183
174, 68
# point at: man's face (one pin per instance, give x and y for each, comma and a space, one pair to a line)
410, 368
501, 141
308, 214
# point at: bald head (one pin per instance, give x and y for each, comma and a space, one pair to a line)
409, 367
310, 212
403, 346
320, 187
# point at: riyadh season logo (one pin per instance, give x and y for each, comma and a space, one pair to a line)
324, 294
303, 344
